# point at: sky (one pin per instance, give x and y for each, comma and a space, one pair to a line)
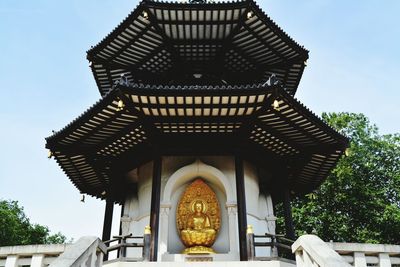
45, 83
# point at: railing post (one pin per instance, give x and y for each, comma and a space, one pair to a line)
12, 261
93, 258
384, 260
146, 243
37, 260
274, 247
123, 247
359, 259
299, 258
250, 243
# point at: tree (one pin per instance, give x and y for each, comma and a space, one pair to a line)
360, 200
16, 229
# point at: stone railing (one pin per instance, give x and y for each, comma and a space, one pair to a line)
363, 255
311, 251
88, 251
30, 255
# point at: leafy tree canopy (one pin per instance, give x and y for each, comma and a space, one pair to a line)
360, 200
16, 229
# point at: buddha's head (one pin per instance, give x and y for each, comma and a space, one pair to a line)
198, 206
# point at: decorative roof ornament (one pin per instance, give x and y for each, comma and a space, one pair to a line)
272, 80
123, 80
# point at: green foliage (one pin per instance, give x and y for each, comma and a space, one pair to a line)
15, 228
360, 200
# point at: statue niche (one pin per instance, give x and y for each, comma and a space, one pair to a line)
198, 218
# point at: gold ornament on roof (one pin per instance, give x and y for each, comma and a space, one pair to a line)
198, 218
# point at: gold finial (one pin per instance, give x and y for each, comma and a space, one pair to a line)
145, 15
147, 230
347, 152
250, 229
120, 105
50, 154
305, 63
276, 104
249, 15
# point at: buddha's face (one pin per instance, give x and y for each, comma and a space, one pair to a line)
198, 207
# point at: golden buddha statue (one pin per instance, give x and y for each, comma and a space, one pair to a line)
198, 218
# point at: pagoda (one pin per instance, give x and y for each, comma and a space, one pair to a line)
197, 133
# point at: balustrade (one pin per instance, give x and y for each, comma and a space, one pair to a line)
30, 255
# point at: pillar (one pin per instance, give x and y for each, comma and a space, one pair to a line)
155, 208
287, 209
108, 215
241, 205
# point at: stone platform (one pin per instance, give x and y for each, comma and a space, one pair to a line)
202, 264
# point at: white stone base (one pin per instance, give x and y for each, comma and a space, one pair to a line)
203, 264
190, 258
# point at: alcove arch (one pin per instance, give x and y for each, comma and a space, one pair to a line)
198, 169
226, 243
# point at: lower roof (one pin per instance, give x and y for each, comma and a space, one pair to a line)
135, 122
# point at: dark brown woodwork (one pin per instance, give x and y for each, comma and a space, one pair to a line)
107, 225
235, 60
241, 207
287, 208
155, 207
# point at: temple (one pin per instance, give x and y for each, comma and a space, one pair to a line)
197, 135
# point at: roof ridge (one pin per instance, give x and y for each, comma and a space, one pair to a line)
301, 48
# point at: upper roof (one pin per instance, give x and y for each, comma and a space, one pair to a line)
181, 43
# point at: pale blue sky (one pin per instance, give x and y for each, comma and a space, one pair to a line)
46, 83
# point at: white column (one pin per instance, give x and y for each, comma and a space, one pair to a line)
233, 227
270, 215
37, 260
163, 230
359, 259
384, 260
12, 261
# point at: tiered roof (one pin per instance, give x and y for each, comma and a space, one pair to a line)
197, 79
